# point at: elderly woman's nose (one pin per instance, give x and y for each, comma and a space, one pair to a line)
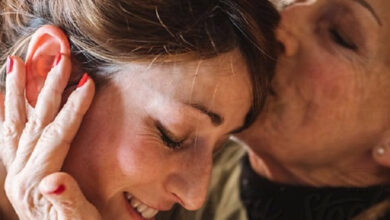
190, 187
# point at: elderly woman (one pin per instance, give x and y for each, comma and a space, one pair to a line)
321, 148
173, 80
323, 139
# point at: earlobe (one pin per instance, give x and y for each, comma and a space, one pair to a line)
45, 45
381, 152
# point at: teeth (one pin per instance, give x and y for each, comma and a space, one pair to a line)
128, 196
149, 213
143, 209
135, 202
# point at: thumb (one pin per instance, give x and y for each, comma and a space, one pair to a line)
63, 192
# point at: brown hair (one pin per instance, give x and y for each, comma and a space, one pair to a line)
103, 33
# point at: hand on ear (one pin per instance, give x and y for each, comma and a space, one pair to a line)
34, 142
381, 152
46, 43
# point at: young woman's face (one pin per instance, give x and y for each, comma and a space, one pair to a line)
151, 132
332, 93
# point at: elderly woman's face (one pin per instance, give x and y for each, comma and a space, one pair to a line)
151, 132
332, 92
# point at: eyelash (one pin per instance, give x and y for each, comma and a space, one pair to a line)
168, 141
340, 40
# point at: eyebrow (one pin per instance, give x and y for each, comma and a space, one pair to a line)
369, 8
216, 119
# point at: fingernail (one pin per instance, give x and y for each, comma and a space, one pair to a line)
59, 190
83, 80
10, 64
57, 59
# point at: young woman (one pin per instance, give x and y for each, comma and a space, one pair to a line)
173, 80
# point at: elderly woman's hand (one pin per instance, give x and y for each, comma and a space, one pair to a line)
35, 142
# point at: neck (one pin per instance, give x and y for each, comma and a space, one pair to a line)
6, 210
266, 199
361, 172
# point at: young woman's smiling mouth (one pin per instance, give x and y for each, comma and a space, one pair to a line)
137, 207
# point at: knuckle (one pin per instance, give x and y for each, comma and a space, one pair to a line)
51, 89
73, 108
32, 130
57, 91
21, 192
54, 131
14, 190
50, 94
8, 184
10, 130
16, 93
34, 124
69, 207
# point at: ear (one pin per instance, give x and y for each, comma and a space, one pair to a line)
381, 152
46, 43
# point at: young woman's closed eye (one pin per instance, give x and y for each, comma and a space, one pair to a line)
169, 139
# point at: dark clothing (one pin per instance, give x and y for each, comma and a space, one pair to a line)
266, 200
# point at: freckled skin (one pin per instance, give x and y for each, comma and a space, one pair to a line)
332, 104
119, 148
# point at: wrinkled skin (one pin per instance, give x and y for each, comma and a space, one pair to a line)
331, 105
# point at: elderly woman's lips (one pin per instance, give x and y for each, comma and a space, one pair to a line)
139, 207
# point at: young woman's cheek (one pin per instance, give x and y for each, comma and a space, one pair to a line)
137, 152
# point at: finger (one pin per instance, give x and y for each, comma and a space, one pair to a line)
1, 124
14, 109
53, 145
65, 195
2, 99
50, 96
45, 110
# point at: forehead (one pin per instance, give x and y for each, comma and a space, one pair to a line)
377, 10
220, 81
378, 7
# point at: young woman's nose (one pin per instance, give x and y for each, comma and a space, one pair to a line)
190, 186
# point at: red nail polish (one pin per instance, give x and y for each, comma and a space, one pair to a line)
59, 190
57, 59
83, 80
10, 64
